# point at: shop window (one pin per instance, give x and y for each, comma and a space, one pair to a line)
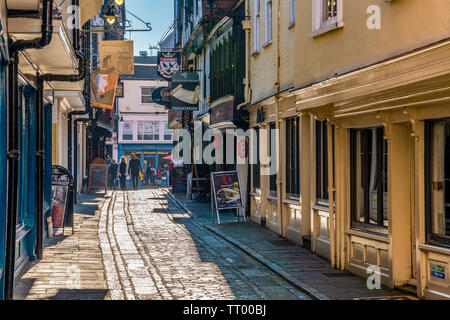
148, 130
273, 156
369, 165
256, 166
127, 131
292, 157
146, 95
438, 182
322, 161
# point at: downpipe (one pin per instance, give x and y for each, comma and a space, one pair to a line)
13, 139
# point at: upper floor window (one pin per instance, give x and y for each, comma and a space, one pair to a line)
326, 14
257, 22
127, 130
146, 95
148, 130
269, 27
369, 176
167, 132
438, 182
292, 10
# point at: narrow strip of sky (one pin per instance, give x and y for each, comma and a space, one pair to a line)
158, 12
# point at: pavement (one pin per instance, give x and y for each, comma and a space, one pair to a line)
294, 263
72, 266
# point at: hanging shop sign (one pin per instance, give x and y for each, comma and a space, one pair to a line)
226, 192
118, 56
168, 64
186, 91
61, 183
98, 175
103, 88
162, 96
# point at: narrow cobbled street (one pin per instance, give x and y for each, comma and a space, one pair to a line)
154, 250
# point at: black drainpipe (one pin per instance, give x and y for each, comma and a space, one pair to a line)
13, 139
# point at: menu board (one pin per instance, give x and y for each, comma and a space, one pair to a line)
59, 200
98, 176
61, 181
227, 190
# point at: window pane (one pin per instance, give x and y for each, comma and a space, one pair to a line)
369, 176
292, 156
256, 170
440, 181
272, 148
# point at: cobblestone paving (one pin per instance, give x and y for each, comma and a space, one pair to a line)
152, 250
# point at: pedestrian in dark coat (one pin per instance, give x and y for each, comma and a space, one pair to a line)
112, 171
123, 173
134, 168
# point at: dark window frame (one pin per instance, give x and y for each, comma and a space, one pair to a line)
381, 175
273, 177
321, 153
431, 238
256, 167
292, 186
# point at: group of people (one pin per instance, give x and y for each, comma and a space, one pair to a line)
134, 169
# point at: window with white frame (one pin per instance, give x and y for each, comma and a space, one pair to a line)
326, 14
257, 21
148, 130
167, 132
146, 95
127, 130
269, 27
292, 10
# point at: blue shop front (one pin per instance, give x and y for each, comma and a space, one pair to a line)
152, 154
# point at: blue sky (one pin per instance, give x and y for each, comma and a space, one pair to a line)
158, 12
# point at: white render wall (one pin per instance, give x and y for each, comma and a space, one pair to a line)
131, 102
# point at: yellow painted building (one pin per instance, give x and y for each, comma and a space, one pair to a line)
360, 94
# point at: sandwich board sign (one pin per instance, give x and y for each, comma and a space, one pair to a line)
226, 192
62, 214
98, 175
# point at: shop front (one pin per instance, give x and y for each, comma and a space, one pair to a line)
380, 155
154, 154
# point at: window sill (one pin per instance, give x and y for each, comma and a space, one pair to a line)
321, 207
434, 248
291, 24
294, 201
327, 28
255, 53
272, 197
268, 43
368, 233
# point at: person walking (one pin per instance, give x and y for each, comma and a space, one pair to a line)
134, 169
123, 173
113, 168
158, 177
149, 171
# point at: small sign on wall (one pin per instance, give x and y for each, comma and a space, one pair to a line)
438, 271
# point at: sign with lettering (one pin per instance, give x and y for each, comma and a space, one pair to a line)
437, 271
226, 192
121, 55
61, 181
